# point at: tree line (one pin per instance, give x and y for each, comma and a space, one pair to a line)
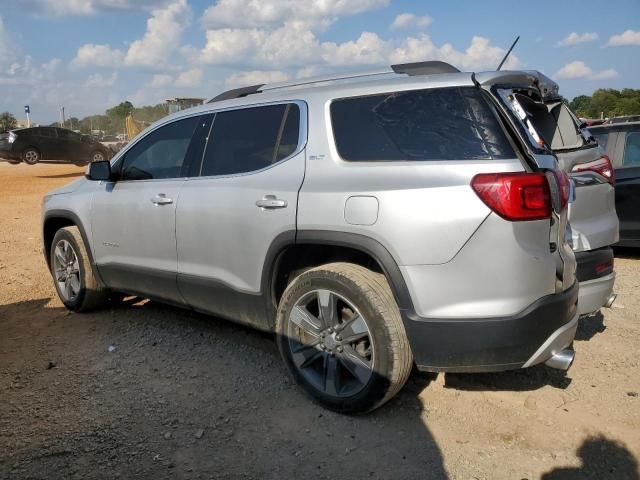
608, 103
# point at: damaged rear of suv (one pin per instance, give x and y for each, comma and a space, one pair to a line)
593, 223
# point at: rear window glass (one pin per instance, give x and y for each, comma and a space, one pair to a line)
418, 125
250, 139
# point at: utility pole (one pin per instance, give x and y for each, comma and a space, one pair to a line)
27, 110
62, 120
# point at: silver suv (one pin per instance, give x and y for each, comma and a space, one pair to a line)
372, 221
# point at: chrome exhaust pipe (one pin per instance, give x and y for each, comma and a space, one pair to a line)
561, 360
610, 300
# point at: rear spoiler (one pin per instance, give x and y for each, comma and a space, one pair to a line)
525, 79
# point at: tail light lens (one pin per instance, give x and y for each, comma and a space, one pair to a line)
12, 137
515, 196
602, 166
564, 187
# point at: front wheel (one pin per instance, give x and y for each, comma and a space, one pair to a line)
73, 276
31, 156
341, 336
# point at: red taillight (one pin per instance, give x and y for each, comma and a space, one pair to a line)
515, 196
602, 166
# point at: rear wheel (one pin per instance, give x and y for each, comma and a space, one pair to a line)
74, 279
97, 156
340, 334
31, 156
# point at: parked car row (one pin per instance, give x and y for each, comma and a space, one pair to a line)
51, 144
422, 217
621, 141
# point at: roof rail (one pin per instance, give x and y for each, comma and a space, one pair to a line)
410, 69
424, 68
237, 93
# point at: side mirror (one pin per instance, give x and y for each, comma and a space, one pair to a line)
100, 170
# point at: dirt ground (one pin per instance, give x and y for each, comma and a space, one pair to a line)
188, 396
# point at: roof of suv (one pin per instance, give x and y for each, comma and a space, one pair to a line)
397, 77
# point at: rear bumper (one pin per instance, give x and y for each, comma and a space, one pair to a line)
493, 344
595, 293
596, 276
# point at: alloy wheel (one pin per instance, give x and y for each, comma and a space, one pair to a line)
66, 269
330, 343
97, 157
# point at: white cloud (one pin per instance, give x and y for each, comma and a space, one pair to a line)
161, 80
604, 74
162, 37
85, 7
575, 38
295, 46
190, 78
628, 37
579, 69
255, 77
265, 13
98, 80
98, 55
410, 20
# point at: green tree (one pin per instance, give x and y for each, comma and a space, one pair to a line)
121, 111
582, 106
7, 122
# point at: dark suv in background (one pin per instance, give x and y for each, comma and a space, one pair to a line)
51, 144
621, 141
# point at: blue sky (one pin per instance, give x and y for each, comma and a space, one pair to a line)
88, 55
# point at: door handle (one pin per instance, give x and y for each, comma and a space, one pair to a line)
161, 199
271, 202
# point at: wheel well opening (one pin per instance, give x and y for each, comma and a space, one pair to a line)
298, 258
51, 226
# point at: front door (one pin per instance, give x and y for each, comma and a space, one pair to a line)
243, 199
134, 217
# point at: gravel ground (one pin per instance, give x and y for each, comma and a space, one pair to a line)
148, 391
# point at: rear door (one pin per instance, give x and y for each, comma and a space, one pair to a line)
238, 203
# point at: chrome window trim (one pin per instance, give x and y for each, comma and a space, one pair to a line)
302, 138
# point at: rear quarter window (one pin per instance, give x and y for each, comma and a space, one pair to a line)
419, 125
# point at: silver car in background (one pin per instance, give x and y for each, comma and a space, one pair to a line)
372, 221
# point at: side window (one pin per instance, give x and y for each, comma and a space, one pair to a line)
632, 150
160, 154
251, 139
418, 125
69, 135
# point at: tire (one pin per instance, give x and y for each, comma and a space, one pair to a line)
85, 293
96, 156
14, 162
383, 350
31, 156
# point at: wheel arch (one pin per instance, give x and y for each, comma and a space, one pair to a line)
53, 221
293, 252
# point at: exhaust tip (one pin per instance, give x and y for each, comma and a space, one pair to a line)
561, 360
610, 300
